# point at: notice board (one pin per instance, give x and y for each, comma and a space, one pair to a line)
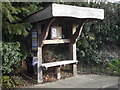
34, 41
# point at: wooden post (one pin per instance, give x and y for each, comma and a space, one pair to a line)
58, 74
72, 52
39, 68
39, 55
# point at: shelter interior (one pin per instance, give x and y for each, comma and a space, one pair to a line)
55, 25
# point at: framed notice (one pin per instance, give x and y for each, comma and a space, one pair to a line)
53, 33
34, 41
56, 32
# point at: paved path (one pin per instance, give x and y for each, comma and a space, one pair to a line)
82, 81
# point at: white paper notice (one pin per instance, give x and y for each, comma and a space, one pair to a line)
54, 32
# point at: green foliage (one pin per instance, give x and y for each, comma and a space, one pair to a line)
10, 57
16, 29
97, 33
114, 67
107, 30
12, 23
9, 82
86, 47
6, 82
13, 14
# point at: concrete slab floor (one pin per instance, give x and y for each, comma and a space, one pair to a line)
83, 81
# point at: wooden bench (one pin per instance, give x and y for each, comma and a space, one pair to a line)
58, 64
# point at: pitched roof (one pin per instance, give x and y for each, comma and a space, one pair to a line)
60, 10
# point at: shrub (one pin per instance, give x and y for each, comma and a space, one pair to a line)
10, 57
9, 82
113, 67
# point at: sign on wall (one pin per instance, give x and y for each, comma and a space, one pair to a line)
34, 41
56, 32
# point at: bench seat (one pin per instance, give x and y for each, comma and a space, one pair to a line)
58, 63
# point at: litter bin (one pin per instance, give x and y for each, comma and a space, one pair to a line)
31, 65
34, 64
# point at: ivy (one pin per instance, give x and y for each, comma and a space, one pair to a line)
10, 57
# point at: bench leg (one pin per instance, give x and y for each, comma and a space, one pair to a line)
58, 74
